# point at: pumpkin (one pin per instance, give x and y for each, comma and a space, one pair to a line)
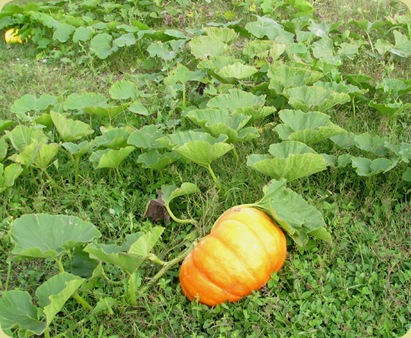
11, 36
238, 256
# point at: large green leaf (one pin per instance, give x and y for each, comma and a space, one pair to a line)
102, 45
201, 148
314, 98
235, 99
366, 167
21, 136
69, 129
310, 127
131, 254
55, 292
283, 76
218, 122
237, 71
371, 143
267, 27
181, 74
289, 160
38, 155
8, 175
146, 137
156, 160
47, 236
80, 101
113, 138
17, 310
30, 102
204, 47
292, 213
124, 90
110, 158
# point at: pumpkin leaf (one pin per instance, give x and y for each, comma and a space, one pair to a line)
22, 136
198, 147
113, 138
38, 155
310, 127
204, 47
69, 129
235, 99
218, 122
289, 160
371, 143
110, 158
108, 111
80, 101
28, 103
47, 236
55, 292
8, 175
146, 137
17, 310
237, 71
270, 28
314, 98
131, 254
124, 90
79, 149
282, 77
292, 213
366, 167
156, 160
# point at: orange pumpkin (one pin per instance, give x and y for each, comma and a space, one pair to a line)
239, 255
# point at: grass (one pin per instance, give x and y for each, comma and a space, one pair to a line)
356, 287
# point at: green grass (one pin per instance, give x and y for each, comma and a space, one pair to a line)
356, 287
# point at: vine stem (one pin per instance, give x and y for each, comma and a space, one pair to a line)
132, 288
213, 175
164, 269
179, 220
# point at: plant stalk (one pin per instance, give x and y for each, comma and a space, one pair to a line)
179, 220
132, 288
164, 269
213, 175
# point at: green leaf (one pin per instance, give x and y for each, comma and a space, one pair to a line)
55, 292
128, 256
204, 47
366, 167
5, 124
63, 32
314, 98
406, 176
170, 192
157, 160
113, 138
371, 143
181, 74
236, 99
146, 137
310, 127
283, 76
8, 175
17, 309
124, 90
102, 46
223, 34
38, 155
218, 122
79, 149
324, 50
137, 108
109, 111
47, 236
291, 160
293, 213
162, 50
29, 103
237, 71
198, 147
145, 243
69, 129
83, 34
110, 158
22, 136
270, 28
127, 39
80, 101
